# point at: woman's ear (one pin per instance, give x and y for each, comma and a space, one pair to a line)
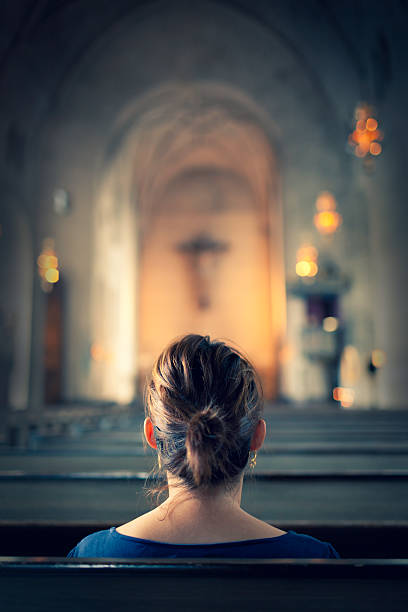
149, 432
259, 436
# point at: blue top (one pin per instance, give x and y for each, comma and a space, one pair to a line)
111, 543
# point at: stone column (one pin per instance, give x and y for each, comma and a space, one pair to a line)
387, 193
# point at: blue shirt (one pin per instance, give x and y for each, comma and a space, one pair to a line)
111, 543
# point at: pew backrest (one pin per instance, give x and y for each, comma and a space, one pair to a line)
385, 540
301, 585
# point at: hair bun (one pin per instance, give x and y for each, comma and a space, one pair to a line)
205, 435
206, 424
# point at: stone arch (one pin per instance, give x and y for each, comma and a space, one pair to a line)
109, 80
194, 176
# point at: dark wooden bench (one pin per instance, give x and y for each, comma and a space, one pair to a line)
55, 539
210, 585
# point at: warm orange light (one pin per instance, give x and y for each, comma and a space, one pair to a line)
52, 275
306, 268
355, 136
378, 358
47, 263
306, 257
364, 147
371, 124
364, 139
41, 260
375, 148
313, 268
326, 201
344, 395
97, 352
327, 221
303, 268
307, 253
286, 353
52, 261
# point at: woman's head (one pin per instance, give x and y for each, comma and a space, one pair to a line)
204, 403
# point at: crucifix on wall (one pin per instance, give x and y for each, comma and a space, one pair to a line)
201, 254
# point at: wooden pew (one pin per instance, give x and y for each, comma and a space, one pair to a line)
55, 539
210, 585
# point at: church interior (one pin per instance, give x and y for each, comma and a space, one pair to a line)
171, 169
235, 169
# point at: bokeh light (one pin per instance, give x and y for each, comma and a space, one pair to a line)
303, 268
330, 324
326, 201
344, 395
306, 264
378, 358
48, 265
327, 220
364, 139
307, 253
52, 275
375, 148
371, 124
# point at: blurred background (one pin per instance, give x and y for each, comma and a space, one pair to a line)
230, 168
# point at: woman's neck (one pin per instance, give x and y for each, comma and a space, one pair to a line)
204, 502
197, 516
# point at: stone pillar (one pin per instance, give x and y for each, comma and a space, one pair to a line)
387, 192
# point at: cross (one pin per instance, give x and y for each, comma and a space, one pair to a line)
202, 251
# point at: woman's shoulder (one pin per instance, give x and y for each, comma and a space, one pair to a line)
111, 543
290, 545
93, 545
305, 546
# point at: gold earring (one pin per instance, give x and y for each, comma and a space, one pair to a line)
252, 459
159, 461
